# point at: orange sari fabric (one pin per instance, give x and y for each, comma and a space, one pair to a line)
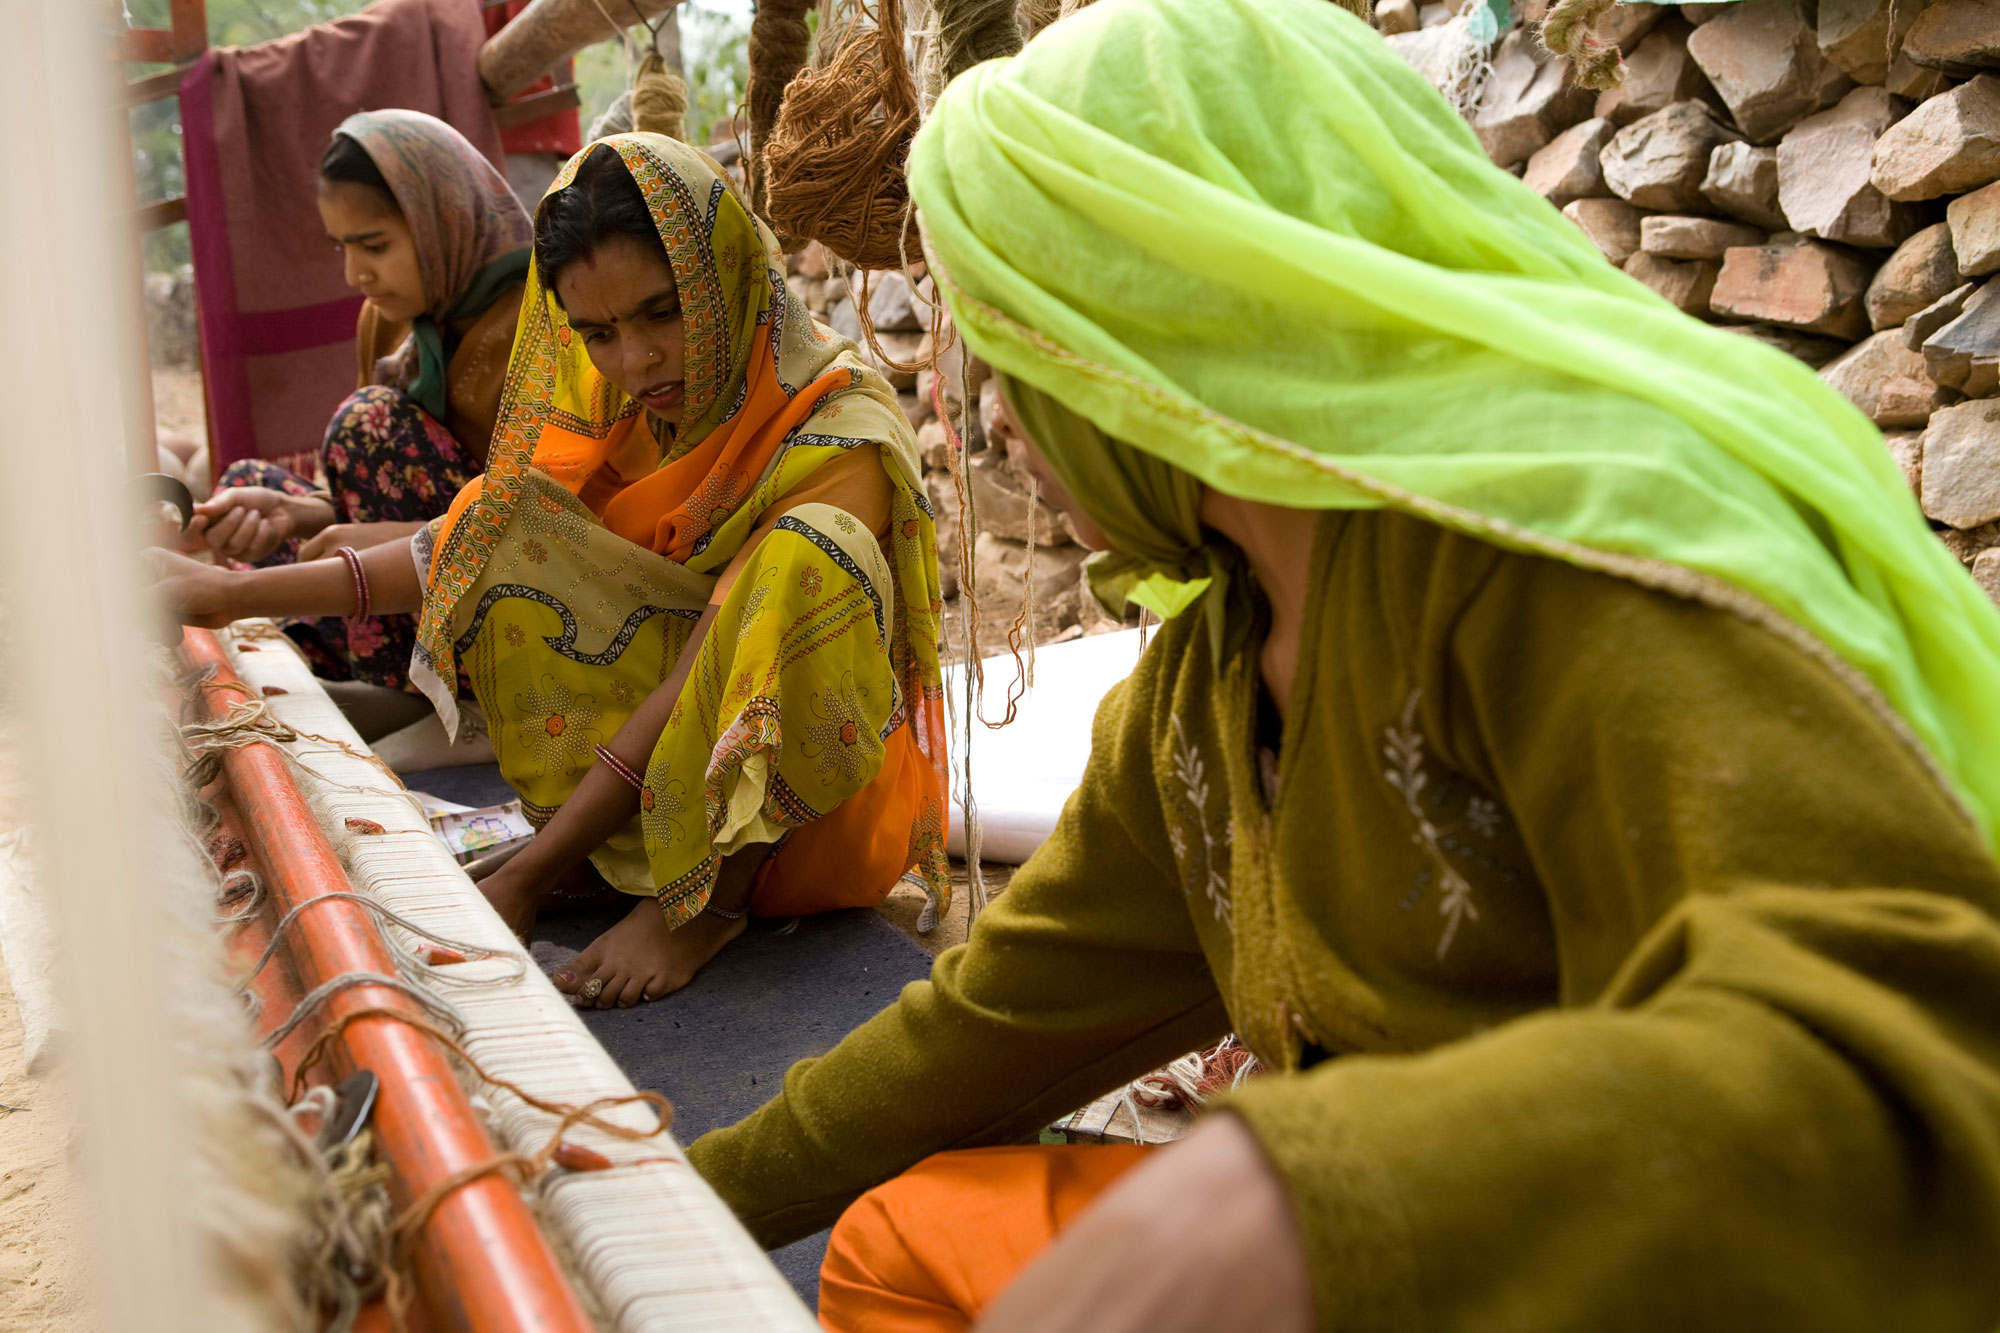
930, 1250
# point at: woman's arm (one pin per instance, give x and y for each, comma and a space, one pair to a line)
210, 597
603, 801
360, 536
249, 522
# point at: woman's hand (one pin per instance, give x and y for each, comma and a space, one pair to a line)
249, 522
1198, 1240
360, 536
195, 593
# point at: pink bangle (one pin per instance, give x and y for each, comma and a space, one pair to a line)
363, 603
620, 767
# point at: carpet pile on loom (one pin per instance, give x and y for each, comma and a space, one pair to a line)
719, 1048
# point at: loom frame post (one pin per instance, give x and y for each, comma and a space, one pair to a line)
481, 1262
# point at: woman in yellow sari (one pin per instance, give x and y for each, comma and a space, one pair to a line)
696, 590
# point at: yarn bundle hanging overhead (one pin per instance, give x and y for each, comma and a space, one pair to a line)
780, 43
833, 166
659, 98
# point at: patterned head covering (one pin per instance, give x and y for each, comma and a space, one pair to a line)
771, 396
471, 234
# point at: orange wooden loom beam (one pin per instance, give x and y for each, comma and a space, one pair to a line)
480, 1262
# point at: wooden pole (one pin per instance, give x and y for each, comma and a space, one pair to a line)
549, 32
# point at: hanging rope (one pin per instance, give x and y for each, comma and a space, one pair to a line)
1569, 31
969, 31
833, 165
780, 43
1034, 15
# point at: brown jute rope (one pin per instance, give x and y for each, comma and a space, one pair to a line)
1569, 31
780, 43
833, 166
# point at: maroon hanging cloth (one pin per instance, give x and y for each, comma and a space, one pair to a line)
276, 318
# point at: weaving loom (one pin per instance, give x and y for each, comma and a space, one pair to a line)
647, 1241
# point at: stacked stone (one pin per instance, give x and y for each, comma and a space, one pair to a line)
900, 316
1822, 177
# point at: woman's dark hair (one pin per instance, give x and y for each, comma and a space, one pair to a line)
601, 203
346, 162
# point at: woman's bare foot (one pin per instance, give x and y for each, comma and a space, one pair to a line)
642, 958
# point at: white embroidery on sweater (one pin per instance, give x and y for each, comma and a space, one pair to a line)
1403, 747
1193, 776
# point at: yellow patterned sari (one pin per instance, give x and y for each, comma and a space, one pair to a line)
568, 579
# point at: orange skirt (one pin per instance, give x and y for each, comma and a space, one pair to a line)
852, 855
928, 1251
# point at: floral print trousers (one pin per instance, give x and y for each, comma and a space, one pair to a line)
384, 460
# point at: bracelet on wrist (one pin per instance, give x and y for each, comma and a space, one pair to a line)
620, 767
363, 603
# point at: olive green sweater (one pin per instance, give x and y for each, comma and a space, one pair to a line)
1663, 978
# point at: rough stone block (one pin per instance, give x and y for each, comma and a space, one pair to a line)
1566, 167
1000, 499
1948, 145
1611, 224
1660, 161
810, 262
1968, 544
1974, 220
1823, 173
1687, 284
892, 308
1886, 380
1658, 73
900, 348
1625, 24
1807, 347
1961, 485
1742, 181
1918, 328
1907, 448
1764, 59
1528, 97
1698, 14
1965, 354
1673, 237
1986, 573
1002, 572
1803, 285
1923, 268
1394, 16
1854, 35
1911, 80
1958, 37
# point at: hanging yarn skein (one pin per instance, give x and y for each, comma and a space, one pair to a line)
833, 168
780, 43
969, 31
659, 99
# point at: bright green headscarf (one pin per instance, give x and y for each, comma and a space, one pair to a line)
1245, 238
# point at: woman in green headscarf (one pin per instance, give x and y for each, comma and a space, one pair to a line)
1570, 765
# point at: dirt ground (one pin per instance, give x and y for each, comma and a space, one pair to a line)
177, 405
905, 904
41, 1277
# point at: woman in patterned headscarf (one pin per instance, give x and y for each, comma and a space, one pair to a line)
433, 236
696, 590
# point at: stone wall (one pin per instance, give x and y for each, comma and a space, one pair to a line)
1804, 174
